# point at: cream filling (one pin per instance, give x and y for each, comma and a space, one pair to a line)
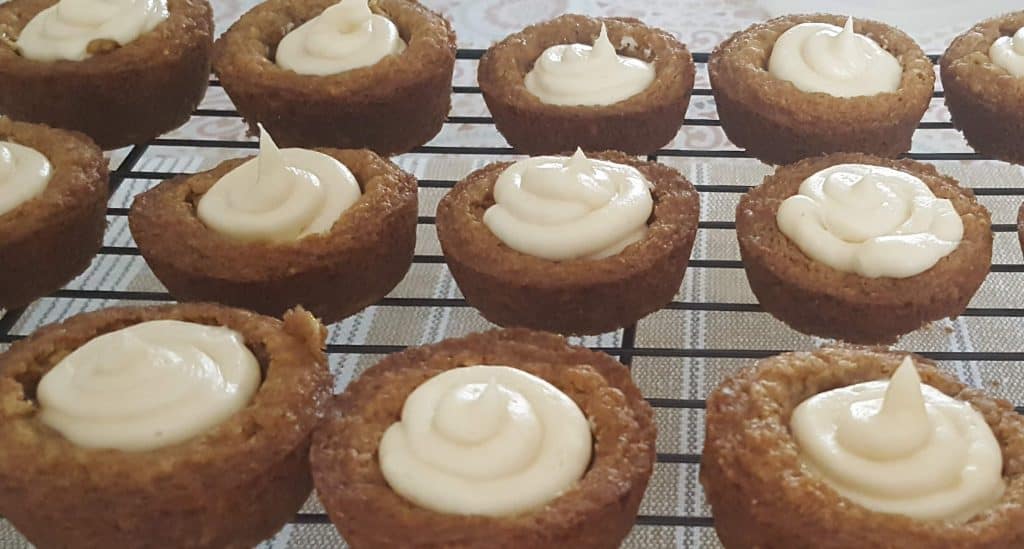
901, 447
64, 30
345, 36
577, 74
24, 174
818, 57
282, 195
871, 221
1008, 53
485, 440
560, 208
148, 386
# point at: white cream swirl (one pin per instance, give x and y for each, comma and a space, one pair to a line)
870, 220
577, 74
148, 386
1008, 53
901, 447
561, 208
485, 440
818, 57
345, 36
24, 174
64, 30
282, 195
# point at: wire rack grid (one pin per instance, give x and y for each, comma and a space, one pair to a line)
677, 355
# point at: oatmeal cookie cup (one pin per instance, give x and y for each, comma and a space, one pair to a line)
391, 107
814, 298
582, 296
597, 512
639, 124
335, 274
778, 123
125, 96
763, 496
232, 486
985, 101
49, 239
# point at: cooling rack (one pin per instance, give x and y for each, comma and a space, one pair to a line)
677, 355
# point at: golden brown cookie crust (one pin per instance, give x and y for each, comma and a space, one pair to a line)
393, 106
985, 102
779, 124
232, 486
123, 97
637, 125
333, 275
814, 298
596, 513
48, 240
762, 497
581, 296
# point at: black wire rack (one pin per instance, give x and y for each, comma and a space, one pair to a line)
628, 348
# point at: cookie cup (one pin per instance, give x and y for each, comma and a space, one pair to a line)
333, 275
984, 100
597, 512
121, 97
583, 296
51, 238
761, 494
778, 123
231, 486
639, 124
814, 298
391, 107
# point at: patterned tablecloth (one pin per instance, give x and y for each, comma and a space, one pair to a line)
683, 351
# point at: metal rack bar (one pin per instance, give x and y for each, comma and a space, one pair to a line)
508, 151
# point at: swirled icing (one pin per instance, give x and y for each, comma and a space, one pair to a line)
870, 220
64, 30
485, 440
898, 446
281, 195
24, 174
578, 74
1008, 53
562, 208
818, 57
345, 36
148, 386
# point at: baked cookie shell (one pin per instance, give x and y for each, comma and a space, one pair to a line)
762, 497
598, 512
814, 298
49, 239
985, 102
637, 125
581, 296
778, 123
391, 107
336, 274
127, 96
232, 486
